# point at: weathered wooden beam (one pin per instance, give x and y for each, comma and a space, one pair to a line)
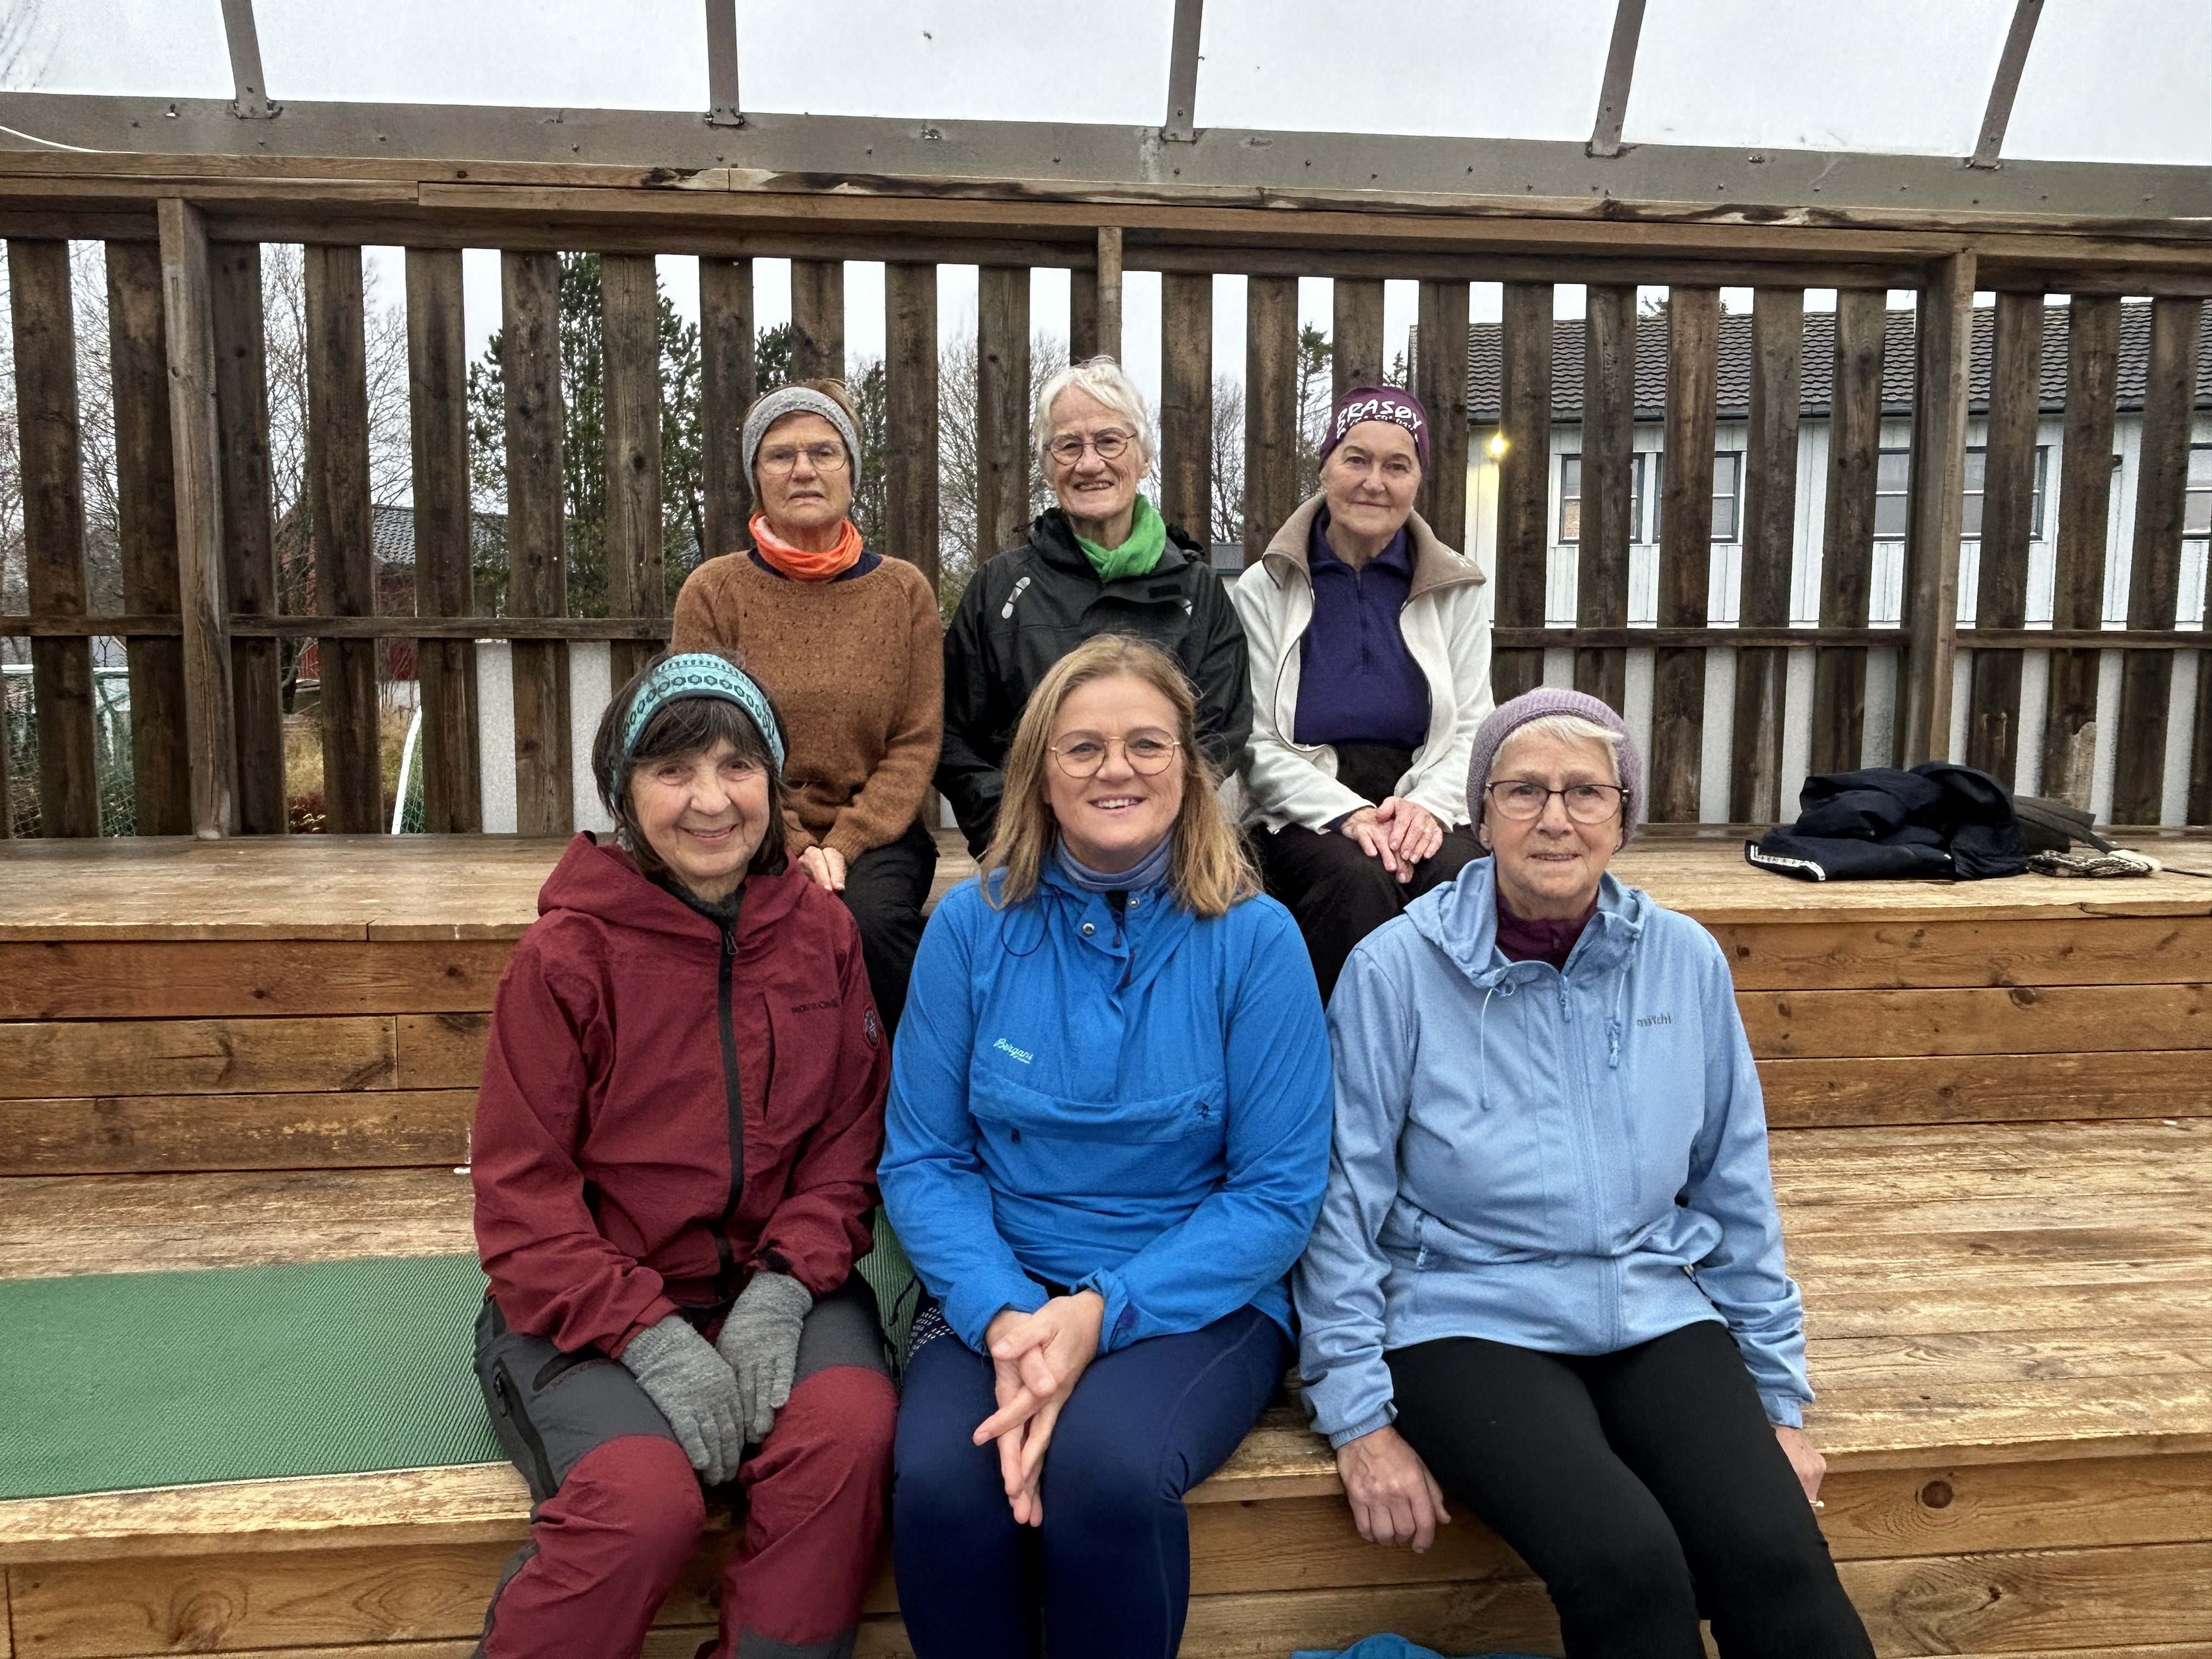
2085, 493
444, 577
1769, 535
537, 555
1271, 409
210, 721
345, 561
817, 319
1524, 482
1095, 302
1002, 408
53, 531
1440, 376
2007, 500
1685, 541
637, 581
2154, 576
1934, 510
1608, 443
249, 525
911, 417
1187, 404
1356, 339
146, 533
1847, 529
726, 390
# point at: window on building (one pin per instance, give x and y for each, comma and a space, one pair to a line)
1893, 474
1977, 470
1570, 498
1646, 480
1728, 493
2197, 508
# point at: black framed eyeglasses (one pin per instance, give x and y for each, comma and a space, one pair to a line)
1067, 448
1082, 753
1522, 799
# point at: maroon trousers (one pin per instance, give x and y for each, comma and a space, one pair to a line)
619, 1509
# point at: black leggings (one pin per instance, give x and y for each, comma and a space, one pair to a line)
1639, 1486
885, 888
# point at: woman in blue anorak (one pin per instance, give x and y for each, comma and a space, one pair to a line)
1107, 1138
1548, 1277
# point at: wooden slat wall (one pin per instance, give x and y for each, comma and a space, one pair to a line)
345, 567
249, 540
1187, 403
1524, 482
1769, 536
2085, 492
53, 530
537, 558
1002, 407
817, 319
727, 375
445, 584
910, 409
2154, 577
1685, 543
629, 294
1094, 305
187, 306
1935, 510
2009, 486
1608, 439
1271, 409
1441, 381
146, 529
1847, 529
1356, 341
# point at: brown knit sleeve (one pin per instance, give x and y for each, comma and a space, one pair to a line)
700, 624
888, 802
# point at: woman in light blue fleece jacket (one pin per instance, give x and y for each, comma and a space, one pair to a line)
1548, 1276
1106, 1140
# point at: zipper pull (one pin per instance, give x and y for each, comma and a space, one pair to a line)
729, 941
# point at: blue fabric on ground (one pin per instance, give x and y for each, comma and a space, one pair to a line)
1390, 1647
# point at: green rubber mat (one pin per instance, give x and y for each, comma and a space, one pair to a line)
115, 1380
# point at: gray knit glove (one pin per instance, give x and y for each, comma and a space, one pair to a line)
760, 1341
694, 1391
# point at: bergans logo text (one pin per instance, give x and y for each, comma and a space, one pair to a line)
1656, 1019
1022, 1054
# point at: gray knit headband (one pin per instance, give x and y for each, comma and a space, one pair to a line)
797, 400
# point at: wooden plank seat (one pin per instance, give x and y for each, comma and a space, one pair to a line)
1991, 1149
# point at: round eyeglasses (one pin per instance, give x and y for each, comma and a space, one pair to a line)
1080, 754
1067, 448
784, 458
1586, 803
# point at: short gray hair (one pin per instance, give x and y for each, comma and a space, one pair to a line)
1104, 379
1564, 728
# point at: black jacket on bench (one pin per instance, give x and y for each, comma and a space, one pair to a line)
1936, 822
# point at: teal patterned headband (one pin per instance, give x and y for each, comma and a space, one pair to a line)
694, 674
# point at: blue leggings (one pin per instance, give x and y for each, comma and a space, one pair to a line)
1109, 1571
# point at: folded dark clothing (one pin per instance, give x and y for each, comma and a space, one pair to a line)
1935, 821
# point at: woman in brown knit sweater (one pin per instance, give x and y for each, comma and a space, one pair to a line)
849, 645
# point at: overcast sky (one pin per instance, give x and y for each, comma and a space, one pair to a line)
1907, 76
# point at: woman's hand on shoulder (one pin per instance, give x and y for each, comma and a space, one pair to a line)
1394, 1500
826, 866
1805, 1461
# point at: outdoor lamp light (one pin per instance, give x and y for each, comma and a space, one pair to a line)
1497, 444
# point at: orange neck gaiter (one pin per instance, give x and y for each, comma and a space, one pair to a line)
802, 566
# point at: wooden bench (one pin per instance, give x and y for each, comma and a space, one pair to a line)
1993, 1147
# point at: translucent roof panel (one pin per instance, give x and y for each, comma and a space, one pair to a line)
169, 48
957, 60
2106, 84
1898, 77
570, 54
1477, 69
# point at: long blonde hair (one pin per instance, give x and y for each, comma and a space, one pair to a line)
1211, 870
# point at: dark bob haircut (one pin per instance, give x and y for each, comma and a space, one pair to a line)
689, 726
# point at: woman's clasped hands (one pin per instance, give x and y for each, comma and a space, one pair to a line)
1036, 1360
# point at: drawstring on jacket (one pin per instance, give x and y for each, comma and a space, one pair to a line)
1619, 996
1482, 1047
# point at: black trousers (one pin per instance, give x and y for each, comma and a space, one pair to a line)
1641, 1487
885, 888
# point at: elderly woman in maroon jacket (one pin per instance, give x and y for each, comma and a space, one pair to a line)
674, 1160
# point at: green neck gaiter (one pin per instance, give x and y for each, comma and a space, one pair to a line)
1148, 539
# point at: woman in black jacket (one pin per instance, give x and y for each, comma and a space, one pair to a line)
1103, 562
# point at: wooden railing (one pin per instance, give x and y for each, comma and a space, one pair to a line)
198, 546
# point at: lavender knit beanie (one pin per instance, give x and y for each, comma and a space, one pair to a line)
1509, 717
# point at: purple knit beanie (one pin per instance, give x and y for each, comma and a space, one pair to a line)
1509, 717
1393, 403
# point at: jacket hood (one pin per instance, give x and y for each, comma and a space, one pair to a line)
1435, 565
1460, 919
602, 882
1054, 538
